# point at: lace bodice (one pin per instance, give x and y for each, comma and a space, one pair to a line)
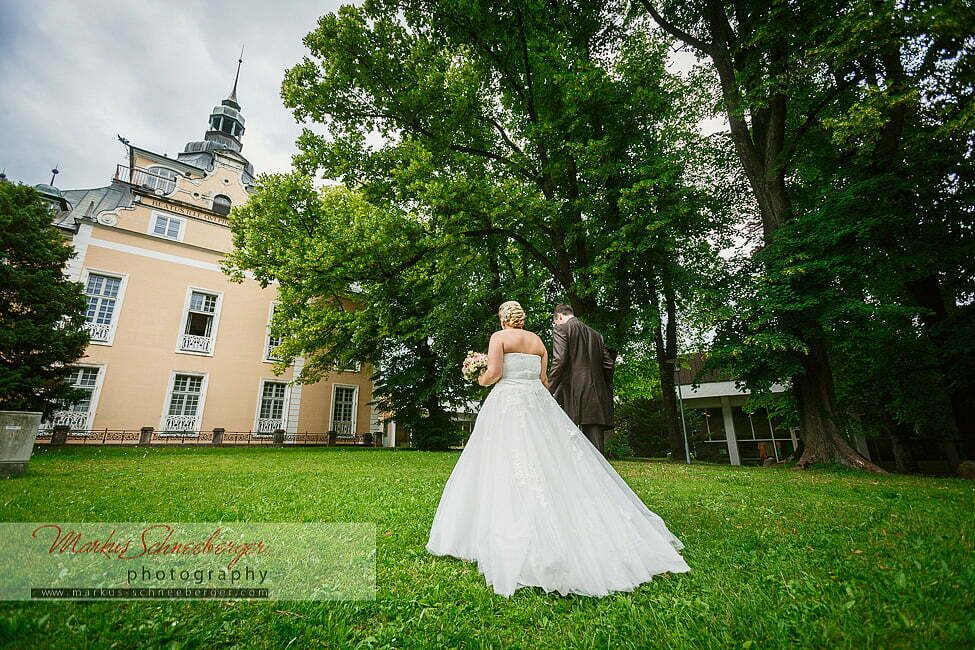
521, 366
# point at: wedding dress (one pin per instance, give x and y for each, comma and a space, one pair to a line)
534, 503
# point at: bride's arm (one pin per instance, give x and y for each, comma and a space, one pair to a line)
495, 366
544, 376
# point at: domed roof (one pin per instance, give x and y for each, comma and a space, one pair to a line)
49, 190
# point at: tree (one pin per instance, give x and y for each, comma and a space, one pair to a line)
361, 281
42, 313
551, 130
782, 69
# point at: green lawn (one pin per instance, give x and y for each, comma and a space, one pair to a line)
779, 558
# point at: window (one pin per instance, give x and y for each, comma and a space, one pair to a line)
102, 292
343, 410
199, 324
161, 179
78, 414
355, 366
164, 225
270, 416
221, 204
185, 404
271, 342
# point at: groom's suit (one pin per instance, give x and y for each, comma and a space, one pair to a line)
581, 378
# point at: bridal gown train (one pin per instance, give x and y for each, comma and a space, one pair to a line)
534, 503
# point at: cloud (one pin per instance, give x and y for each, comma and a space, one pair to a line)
75, 74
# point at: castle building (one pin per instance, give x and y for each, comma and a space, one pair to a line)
175, 345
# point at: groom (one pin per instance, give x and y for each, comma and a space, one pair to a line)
581, 378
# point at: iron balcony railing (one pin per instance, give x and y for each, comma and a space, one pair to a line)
145, 178
99, 331
148, 436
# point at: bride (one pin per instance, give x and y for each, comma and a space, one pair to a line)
532, 501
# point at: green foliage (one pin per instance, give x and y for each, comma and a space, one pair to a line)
879, 562
855, 134
641, 422
519, 151
437, 432
42, 314
617, 447
368, 281
637, 374
555, 132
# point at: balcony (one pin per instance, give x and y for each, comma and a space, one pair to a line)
75, 420
270, 352
177, 424
343, 429
99, 331
145, 178
269, 425
194, 343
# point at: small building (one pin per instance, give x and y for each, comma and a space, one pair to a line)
730, 434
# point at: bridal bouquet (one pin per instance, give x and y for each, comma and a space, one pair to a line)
474, 365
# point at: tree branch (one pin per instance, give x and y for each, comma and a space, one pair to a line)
528, 246
675, 31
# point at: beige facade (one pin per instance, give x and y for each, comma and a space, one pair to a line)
175, 344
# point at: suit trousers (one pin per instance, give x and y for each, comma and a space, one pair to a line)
595, 434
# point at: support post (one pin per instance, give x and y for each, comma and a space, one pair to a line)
60, 435
218, 436
145, 436
729, 431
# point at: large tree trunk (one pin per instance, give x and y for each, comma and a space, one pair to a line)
927, 293
761, 144
665, 353
822, 442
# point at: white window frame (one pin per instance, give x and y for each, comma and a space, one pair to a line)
260, 396
169, 395
124, 280
96, 392
213, 328
355, 407
356, 367
167, 215
267, 334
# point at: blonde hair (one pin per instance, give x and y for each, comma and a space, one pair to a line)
512, 314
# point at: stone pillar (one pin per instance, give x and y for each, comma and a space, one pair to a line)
729, 431
332, 436
145, 436
60, 434
278, 437
367, 439
218, 436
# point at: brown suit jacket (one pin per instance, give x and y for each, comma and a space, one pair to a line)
581, 378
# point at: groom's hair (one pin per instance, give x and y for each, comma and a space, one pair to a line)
565, 310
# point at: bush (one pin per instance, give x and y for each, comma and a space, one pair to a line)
436, 433
640, 423
618, 446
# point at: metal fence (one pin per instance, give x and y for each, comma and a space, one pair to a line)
148, 436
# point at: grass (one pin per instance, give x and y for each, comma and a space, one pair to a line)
823, 558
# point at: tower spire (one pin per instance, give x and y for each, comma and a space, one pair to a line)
240, 60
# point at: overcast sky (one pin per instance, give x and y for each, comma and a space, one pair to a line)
74, 73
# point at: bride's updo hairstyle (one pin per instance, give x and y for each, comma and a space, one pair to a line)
511, 314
